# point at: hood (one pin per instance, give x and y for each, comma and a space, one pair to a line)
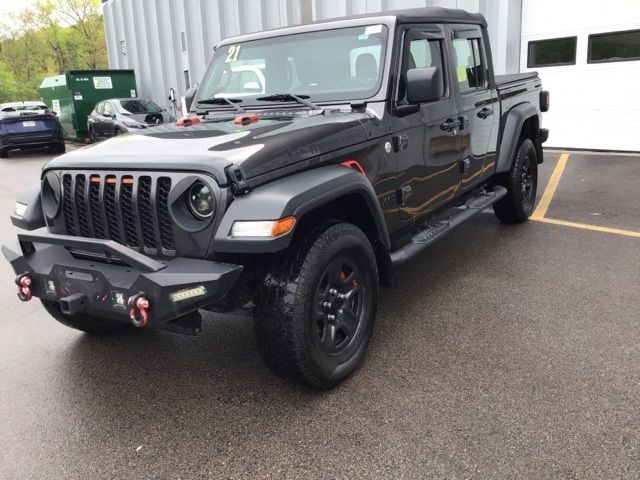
278, 140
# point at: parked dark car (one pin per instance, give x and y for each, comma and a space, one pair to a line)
293, 204
29, 125
119, 115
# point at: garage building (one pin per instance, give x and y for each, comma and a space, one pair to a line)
588, 56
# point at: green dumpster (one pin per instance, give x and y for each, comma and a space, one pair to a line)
74, 94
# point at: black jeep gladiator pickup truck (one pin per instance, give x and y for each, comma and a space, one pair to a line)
314, 160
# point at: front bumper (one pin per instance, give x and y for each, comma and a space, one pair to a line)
173, 287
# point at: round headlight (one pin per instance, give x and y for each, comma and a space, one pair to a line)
201, 201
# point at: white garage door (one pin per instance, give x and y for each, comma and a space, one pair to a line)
588, 55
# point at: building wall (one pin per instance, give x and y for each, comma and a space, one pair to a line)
593, 105
161, 39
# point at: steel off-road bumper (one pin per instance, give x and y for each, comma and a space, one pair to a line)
173, 288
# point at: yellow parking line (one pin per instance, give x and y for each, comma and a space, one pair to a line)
585, 226
545, 201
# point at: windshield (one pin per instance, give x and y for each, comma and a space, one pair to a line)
138, 105
329, 65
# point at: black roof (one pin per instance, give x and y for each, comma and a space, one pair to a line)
423, 15
413, 15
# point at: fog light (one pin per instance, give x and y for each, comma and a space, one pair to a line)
263, 229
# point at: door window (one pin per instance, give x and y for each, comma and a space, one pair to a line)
108, 110
422, 53
100, 108
470, 68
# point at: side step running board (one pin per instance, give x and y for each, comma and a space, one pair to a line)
439, 229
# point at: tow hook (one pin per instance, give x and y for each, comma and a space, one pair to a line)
139, 310
24, 283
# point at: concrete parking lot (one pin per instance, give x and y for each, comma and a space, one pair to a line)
506, 352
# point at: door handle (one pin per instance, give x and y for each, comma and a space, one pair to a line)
485, 112
450, 124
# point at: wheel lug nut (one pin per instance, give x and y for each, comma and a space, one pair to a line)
342, 296
331, 317
340, 312
333, 291
326, 304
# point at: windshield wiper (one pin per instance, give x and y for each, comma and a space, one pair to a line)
287, 97
224, 101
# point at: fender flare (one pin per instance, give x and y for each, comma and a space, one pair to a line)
295, 195
33, 217
513, 123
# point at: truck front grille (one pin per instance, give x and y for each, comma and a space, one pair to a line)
132, 210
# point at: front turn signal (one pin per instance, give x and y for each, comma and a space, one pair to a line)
263, 228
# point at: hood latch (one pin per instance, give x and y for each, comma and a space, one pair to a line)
239, 184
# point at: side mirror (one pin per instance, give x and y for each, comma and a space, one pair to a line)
172, 95
189, 96
424, 85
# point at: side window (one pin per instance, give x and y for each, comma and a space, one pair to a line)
422, 53
552, 52
470, 68
614, 47
107, 108
100, 108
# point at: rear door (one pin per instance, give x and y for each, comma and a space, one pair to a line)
476, 101
427, 142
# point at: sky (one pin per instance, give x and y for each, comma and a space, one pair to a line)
10, 6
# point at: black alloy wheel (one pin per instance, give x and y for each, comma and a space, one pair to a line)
340, 300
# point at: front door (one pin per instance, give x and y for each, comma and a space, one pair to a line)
476, 102
426, 141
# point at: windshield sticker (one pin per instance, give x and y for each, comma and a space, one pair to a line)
372, 29
232, 54
462, 74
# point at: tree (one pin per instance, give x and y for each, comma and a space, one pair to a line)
51, 37
84, 17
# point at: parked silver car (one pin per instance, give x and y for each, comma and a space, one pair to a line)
120, 115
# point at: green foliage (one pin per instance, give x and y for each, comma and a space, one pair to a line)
53, 36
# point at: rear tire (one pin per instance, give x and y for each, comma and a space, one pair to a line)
85, 323
330, 271
4, 153
60, 148
521, 184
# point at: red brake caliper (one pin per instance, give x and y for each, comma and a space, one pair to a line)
139, 310
24, 283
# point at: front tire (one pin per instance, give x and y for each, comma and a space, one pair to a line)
85, 323
521, 184
316, 309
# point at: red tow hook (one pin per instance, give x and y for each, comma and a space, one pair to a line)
24, 283
139, 310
